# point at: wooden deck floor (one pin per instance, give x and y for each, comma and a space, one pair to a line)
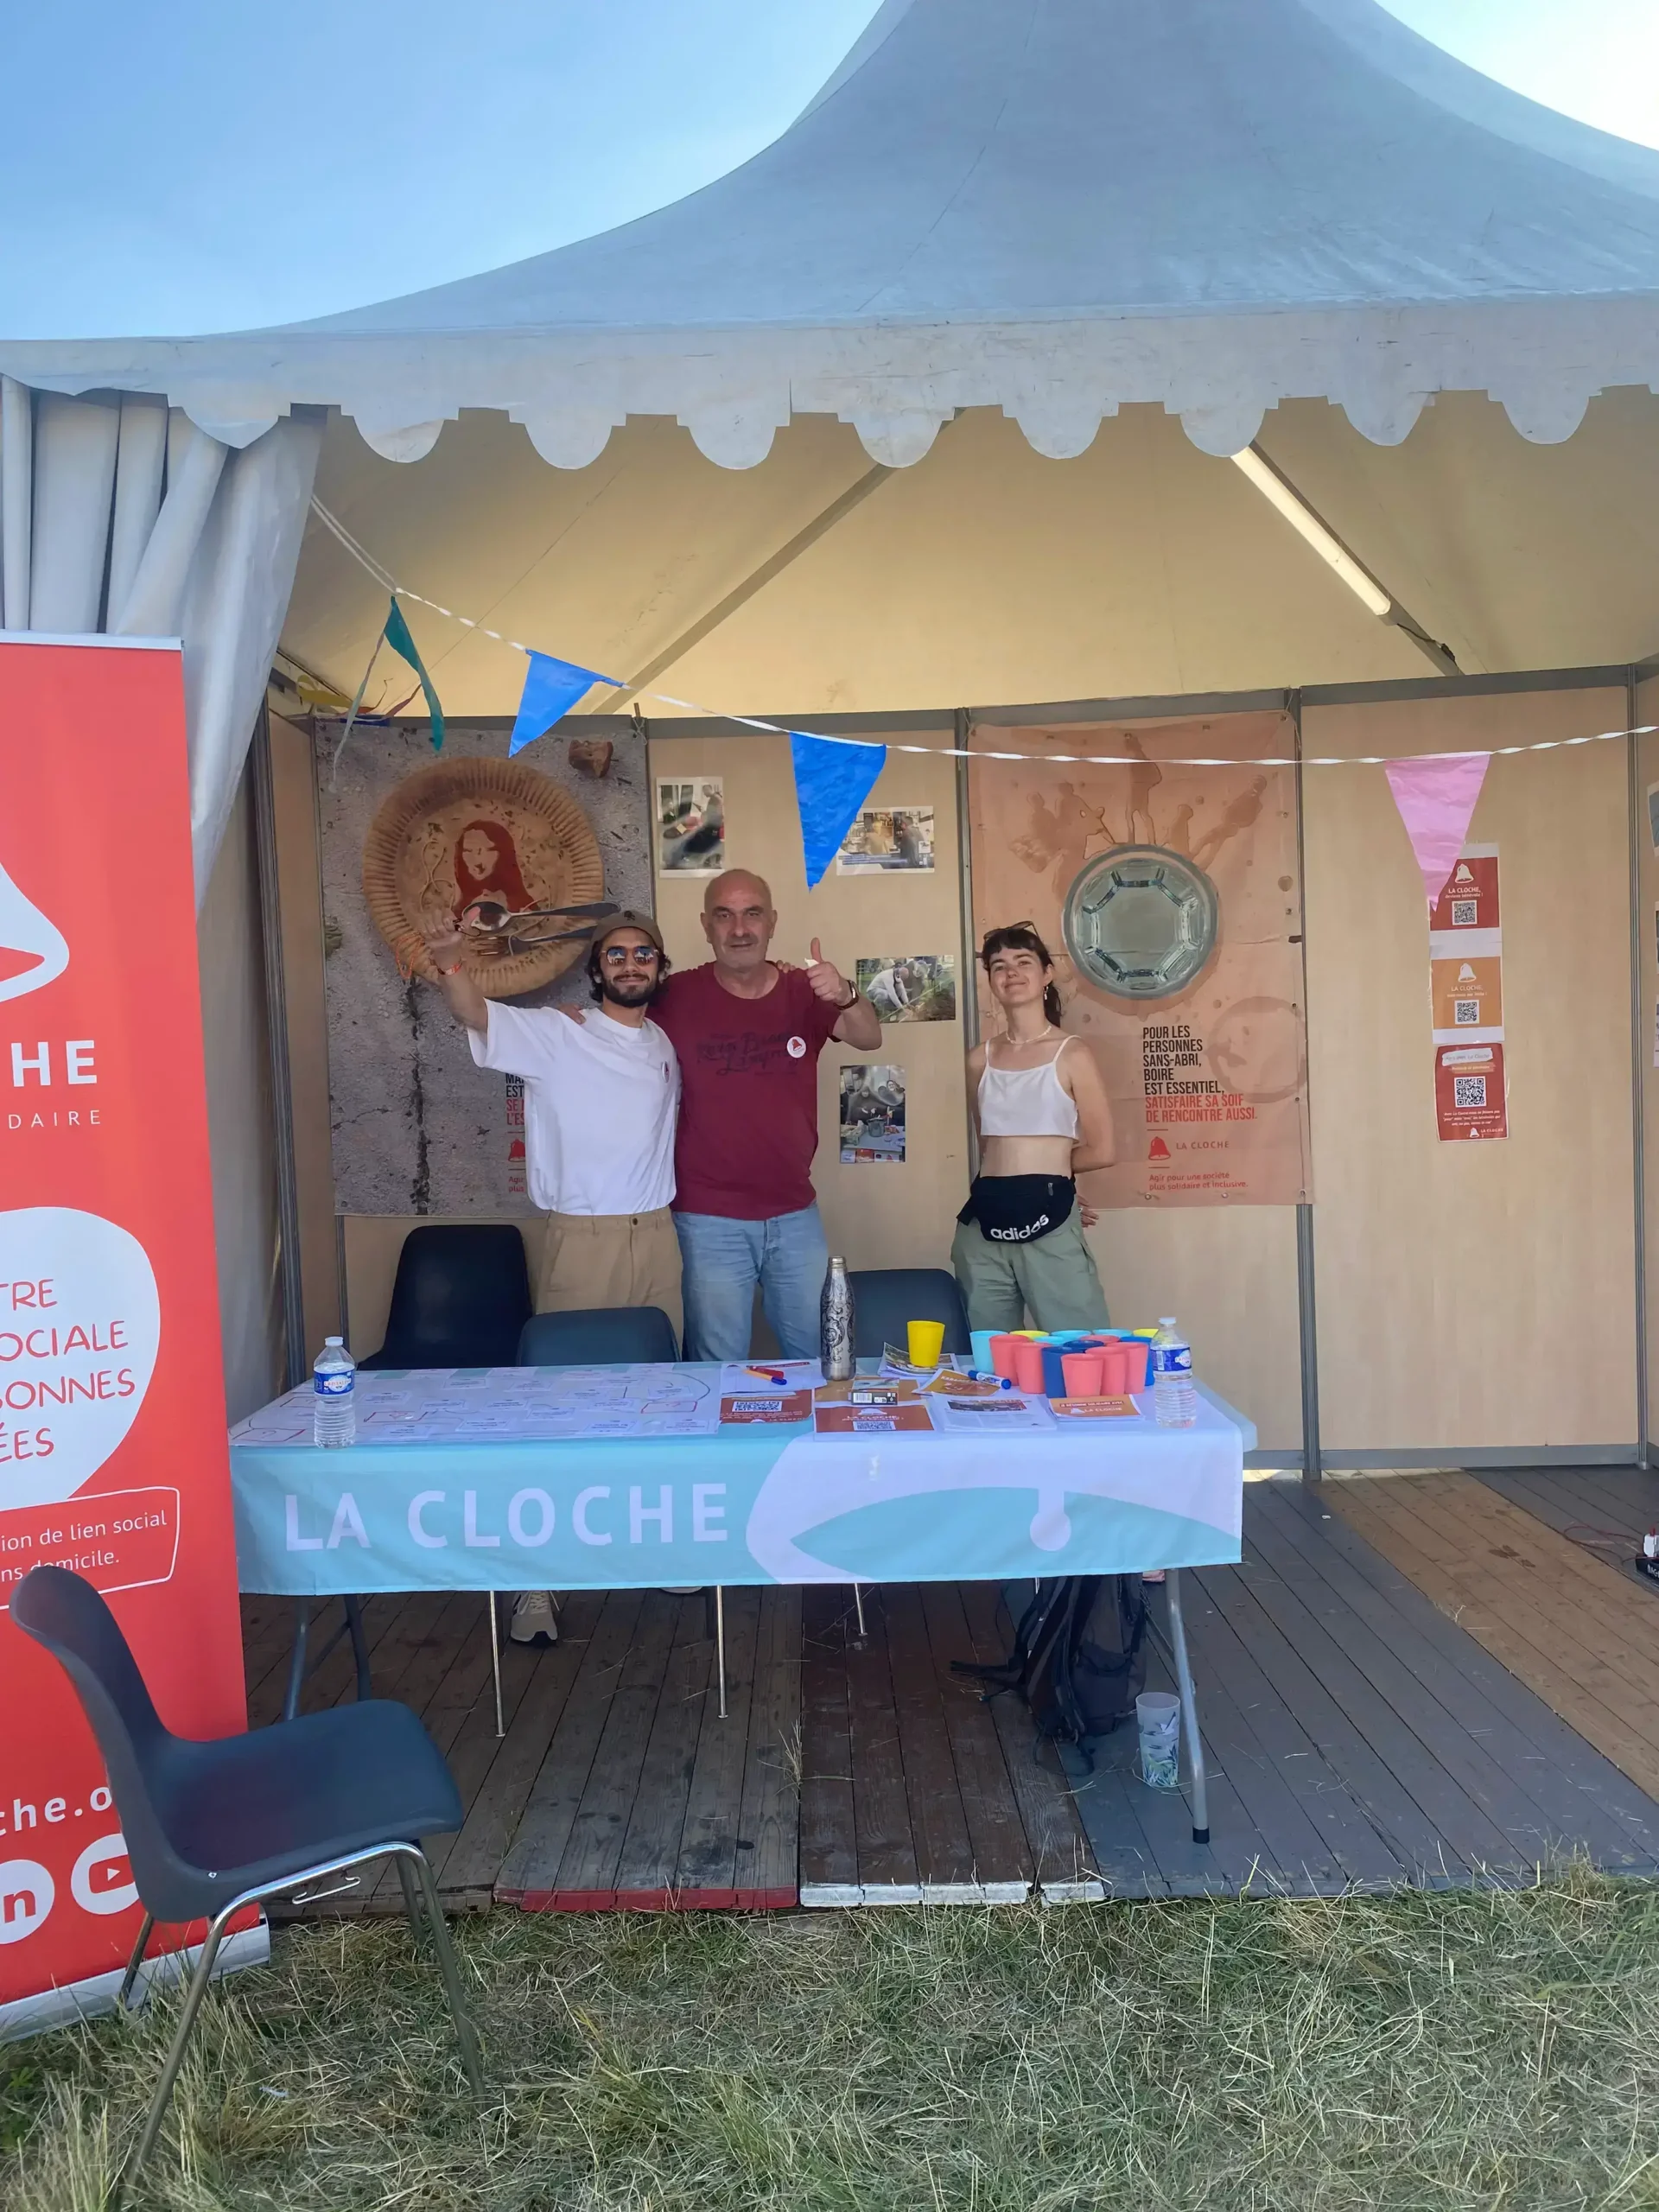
1579, 1631
849, 1770
1356, 1733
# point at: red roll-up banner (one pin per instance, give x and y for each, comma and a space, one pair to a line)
112, 1449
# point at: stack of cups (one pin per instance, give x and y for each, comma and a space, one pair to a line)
1083, 1373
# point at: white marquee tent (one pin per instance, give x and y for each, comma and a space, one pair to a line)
931, 401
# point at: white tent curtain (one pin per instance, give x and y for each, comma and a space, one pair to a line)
118, 516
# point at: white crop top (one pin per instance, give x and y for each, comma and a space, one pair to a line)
1025, 1101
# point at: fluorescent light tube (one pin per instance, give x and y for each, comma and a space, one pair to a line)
1302, 519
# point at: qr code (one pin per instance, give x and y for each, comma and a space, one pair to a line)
1466, 1012
1465, 913
1468, 1091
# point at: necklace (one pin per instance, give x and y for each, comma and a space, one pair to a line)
1047, 1031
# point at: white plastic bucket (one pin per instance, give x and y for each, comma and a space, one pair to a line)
1158, 1717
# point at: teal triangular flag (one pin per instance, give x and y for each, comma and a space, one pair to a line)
402, 645
551, 688
833, 778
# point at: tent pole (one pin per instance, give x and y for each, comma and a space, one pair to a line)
1636, 807
1306, 1303
270, 931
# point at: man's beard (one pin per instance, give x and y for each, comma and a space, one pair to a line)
609, 991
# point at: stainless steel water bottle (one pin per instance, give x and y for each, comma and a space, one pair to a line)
835, 1323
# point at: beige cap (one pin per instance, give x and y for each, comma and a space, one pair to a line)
629, 920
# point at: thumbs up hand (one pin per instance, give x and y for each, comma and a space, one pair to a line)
827, 981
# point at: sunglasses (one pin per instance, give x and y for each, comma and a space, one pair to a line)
618, 956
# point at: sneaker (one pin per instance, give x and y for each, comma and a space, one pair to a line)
534, 1619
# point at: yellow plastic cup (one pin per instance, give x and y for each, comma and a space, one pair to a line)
926, 1342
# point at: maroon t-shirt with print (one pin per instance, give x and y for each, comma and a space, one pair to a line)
749, 1093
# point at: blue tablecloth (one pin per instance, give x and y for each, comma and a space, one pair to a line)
770, 1503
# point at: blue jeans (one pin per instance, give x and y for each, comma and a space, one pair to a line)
722, 1260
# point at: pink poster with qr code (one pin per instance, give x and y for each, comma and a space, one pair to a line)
1469, 1094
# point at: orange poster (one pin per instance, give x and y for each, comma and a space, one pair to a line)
1170, 896
113, 1445
1467, 995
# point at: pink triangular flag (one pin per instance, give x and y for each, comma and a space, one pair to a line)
1436, 798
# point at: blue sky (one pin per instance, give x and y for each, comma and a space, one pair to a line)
195, 165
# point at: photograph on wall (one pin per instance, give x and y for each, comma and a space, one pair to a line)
872, 1115
922, 987
409, 844
1168, 895
885, 841
690, 825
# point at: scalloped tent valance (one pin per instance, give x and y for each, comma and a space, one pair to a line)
1054, 207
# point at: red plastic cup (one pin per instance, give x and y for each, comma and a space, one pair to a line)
1004, 1352
1028, 1366
1137, 1351
1082, 1371
1115, 1371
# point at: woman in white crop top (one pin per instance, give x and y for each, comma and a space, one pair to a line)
1043, 1117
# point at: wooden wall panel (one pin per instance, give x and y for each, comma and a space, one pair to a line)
1473, 1296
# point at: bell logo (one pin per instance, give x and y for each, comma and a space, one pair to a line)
32, 949
1463, 873
1158, 1149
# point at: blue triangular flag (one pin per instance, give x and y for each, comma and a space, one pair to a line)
833, 778
397, 637
551, 688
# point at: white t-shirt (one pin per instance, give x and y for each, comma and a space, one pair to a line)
600, 1103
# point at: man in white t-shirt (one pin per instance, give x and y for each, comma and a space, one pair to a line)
602, 1098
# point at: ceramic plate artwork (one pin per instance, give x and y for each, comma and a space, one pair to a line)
491, 831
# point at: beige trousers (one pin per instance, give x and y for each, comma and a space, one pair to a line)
611, 1259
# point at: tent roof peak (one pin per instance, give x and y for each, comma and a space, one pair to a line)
1058, 207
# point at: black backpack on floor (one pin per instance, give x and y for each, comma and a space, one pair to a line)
1079, 1655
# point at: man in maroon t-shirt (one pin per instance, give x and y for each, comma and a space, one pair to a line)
748, 1034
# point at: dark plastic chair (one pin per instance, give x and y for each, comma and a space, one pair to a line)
212, 1828
461, 1297
598, 1336
886, 1298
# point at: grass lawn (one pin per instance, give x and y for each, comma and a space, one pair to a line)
1498, 2049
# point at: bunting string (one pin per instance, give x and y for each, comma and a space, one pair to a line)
388, 583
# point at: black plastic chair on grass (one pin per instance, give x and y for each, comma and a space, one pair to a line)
888, 1297
461, 1297
212, 1828
598, 1336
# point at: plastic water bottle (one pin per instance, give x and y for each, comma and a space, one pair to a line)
1174, 1399
334, 1405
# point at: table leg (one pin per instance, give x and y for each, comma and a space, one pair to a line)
1189, 1707
720, 1645
495, 1664
359, 1645
296, 1663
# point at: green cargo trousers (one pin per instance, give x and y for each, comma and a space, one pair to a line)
1053, 1279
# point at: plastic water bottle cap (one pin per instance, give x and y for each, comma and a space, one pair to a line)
334, 1340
